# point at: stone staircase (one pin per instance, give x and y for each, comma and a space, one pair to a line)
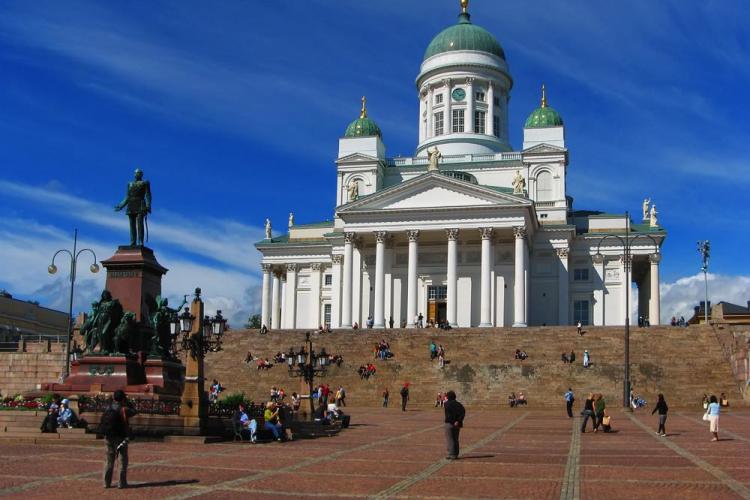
24, 426
683, 363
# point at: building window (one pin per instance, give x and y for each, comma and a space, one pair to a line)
438, 98
480, 118
581, 312
581, 274
328, 280
544, 187
496, 101
480, 96
439, 123
437, 292
458, 120
496, 126
327, 315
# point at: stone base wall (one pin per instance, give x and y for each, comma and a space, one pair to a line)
33, 364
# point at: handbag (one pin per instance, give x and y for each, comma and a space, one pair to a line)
706, 417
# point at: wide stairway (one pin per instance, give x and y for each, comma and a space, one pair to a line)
683, 363
24, 425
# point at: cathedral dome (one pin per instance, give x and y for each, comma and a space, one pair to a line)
363, 126
544, 116
464, 36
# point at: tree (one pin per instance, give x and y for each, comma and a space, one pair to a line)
253, 322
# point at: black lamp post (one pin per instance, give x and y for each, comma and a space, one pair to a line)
704, 248
52, 269
626, 243
307, 364
198, 345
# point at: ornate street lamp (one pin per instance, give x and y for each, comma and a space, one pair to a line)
307, 364
212, 331
599, 258
704, 248
52, 269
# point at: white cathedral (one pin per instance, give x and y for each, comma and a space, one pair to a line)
468, 231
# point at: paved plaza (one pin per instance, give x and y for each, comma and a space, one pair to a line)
389, 454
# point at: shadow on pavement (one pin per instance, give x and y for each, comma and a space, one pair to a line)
172, 482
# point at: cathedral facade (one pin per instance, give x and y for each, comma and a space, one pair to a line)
466, 232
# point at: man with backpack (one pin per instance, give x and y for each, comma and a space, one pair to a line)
114, 425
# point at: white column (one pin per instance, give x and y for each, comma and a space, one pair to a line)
600, 264
346, 293
452, 302
469, 123
485, 318
654, 306
430, 119
315, 286
265, 301
275, 305
411, 287
379, 317
422, 116
336, 291
448, 99
291, 299
563, 298
519, 287
282, 311
490, 108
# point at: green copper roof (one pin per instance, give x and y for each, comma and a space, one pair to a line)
363, 126
464, 36
544, 116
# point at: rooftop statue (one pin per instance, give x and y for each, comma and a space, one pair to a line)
433, 157
646, 203
268, 228
138, 202
519, 183
653, 222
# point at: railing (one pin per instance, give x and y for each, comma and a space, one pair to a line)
422, 160
543, 204
223, 410
98, 404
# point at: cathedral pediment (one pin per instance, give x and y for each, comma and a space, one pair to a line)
435, 192
357, 158
544, 148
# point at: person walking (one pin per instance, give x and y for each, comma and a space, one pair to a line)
662, 408
579, 328
386, 394
454, 420
116, 429
586, 359
588, 412
404, 396
713, 417
599, 409
569, 400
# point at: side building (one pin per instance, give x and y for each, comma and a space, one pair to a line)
467, 232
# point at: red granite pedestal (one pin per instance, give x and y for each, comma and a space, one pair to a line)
134, 278
96, 374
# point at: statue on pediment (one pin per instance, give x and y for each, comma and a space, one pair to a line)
519, 183
653, 221
268, 228
433, 158
646, 203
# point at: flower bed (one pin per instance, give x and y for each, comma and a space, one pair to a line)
23, 404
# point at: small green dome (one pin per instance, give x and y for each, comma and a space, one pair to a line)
363, 126
544, 116
464, 36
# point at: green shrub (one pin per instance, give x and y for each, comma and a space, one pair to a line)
233, 400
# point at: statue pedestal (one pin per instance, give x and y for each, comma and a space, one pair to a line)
96, 374
134, 278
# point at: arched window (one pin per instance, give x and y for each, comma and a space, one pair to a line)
544, 186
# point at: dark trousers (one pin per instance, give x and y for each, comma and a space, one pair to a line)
598, 420
385, 402
451, 439
662, 421
112, 452
569, 407
586, 415
403, 403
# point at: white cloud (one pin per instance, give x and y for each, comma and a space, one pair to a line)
679, 298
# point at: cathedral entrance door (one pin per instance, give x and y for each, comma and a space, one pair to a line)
436, 304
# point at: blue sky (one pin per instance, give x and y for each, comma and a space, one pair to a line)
234, 109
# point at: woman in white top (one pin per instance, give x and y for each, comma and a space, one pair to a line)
713, 417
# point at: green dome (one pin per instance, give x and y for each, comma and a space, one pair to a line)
363, 126
544, 116
464, 36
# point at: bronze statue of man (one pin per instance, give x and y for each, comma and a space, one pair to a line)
138, 203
